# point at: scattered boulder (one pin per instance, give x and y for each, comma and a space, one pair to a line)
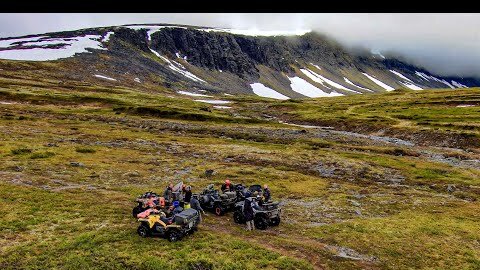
209, 173
451, 188
132, 174
77, 164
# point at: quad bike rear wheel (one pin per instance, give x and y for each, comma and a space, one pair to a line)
260, 222
143, 230
219, 210
136, 210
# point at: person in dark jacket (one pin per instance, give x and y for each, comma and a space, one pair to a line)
248, 212
195, 204
188, 194
266, 193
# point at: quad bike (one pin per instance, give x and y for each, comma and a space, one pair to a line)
217, 202
174, 229
266, 214
142, 201
255, 190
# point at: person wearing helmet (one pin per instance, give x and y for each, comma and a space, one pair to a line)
176, 208
195, 204
266, 193
227, 186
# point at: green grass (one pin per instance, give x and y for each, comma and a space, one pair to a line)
60, 216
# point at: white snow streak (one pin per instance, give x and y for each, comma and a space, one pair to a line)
303, 87
222, 107
192, 94
428, 78
459, 85
176, 69
329, 82
263, 91
349, 82
411, 86
107, 37
400, 75
105, 77
380, 83
213, 101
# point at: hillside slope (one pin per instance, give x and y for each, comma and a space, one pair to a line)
180, 57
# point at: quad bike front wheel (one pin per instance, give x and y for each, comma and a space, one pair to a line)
143, 230
260, 222
275, 221
238, 217
174, 236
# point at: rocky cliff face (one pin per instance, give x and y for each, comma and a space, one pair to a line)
180, 57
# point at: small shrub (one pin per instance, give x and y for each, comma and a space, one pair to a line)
42, 155
21, 151
85, 150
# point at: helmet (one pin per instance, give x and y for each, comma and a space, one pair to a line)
248, 194
176, 204
227, 182
188, 188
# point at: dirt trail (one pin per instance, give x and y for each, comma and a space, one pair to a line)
304, 248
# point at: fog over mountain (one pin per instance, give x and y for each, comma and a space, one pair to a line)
445, 44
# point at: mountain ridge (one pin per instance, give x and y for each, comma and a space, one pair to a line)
219, 60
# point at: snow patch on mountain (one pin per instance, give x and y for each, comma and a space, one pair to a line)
107, 37
104, 77
400, 75
411, 86
380, 83
428, 78
192, 94
351, 83
329, 82
175, 67
222, 107
213, 101
303, 87
137, 80
67, 47
459, 85
313, 77
263, 91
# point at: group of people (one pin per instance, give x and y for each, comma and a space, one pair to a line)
250, 203
172, 203
175, 200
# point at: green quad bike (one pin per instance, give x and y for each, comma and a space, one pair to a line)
173, 229
267, 214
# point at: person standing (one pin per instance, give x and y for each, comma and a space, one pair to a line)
266, 193
168, 194
195, 204
248, 212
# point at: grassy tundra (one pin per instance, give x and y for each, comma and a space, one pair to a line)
73, 158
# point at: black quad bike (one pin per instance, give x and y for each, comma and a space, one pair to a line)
174, 229
266, 214
217, 202
254, 190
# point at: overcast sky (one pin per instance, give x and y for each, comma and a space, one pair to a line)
447, 44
